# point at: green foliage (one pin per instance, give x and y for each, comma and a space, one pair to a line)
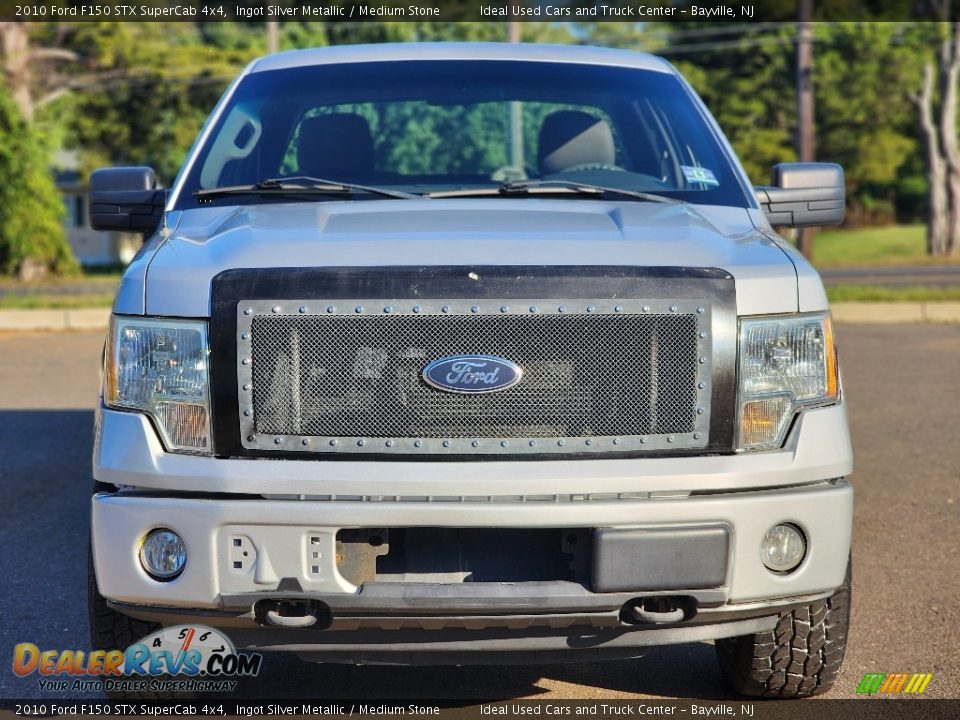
893, 245
884, 293
864, 117
31, 209
748, 86
151, 87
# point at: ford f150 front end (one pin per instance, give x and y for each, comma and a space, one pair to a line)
474, 353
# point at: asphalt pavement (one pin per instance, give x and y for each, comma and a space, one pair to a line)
903, 388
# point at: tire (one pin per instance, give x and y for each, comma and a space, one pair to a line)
111, 630
800, 657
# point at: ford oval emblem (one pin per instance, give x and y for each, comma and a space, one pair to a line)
472, 374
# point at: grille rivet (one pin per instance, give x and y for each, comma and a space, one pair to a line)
245, 336
616, 441
248, 386
643, 441
277, 441
646, 308
248, 311
331, 308
445, 308
588, 441
475, 309
504, 308
302, 308
670, 438
476, 443
562, 308
333, 443
358, 309
703, 334
701, 310
446, 443
245, 361
250, 438
418, 443
699, 411
701, 385
246, 413
618, 308
702, 360
504, 443
533, 308
276, 308
389, 443
305, 442
361, 443
590, 308
416, 308
697, 436
533, 443
561, 443
388, 309
673, 308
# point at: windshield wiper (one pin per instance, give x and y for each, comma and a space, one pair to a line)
530, 187
302, 185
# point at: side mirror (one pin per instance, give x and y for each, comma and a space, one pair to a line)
125, 199
804, 194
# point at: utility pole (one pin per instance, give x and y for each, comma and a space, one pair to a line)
516, 109
273, 43
806, 138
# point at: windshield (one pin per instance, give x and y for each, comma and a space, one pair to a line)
434, 126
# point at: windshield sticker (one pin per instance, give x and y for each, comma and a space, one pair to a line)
699, 175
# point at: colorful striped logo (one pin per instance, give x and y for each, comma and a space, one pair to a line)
892, 683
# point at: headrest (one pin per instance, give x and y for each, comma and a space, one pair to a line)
569, 138
338, 146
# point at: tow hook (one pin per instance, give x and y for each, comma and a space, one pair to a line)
293, 614
659, 610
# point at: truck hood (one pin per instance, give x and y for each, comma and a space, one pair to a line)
464, 232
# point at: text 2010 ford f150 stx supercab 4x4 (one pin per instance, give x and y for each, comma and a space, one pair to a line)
465, 353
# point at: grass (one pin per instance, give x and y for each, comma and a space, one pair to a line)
55, 302
886, 246
879, 293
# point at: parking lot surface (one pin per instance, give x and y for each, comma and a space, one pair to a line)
903, 387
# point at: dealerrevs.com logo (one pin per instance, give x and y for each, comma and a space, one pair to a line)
185, 658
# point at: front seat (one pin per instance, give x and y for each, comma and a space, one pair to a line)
571, 139
338, 146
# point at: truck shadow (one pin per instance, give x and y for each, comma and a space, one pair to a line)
676, 671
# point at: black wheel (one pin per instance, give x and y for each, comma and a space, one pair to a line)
111, 630
800, 657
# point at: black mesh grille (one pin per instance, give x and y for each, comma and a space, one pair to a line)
585, 375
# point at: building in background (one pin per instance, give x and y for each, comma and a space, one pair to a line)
89, 246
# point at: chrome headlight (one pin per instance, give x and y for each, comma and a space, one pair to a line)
160, 367
786, 363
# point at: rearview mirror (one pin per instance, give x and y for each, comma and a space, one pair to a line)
125, 199
804, 194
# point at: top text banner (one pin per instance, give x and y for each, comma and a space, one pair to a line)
458, 11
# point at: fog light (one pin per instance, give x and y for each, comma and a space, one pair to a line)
163, 554
783, 548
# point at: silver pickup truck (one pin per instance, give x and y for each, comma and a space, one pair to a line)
473, 353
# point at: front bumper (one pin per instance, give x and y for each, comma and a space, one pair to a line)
283, 535
287, 514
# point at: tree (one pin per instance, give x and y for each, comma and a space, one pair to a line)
31, 210
31, 72
937, 105
865, 121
